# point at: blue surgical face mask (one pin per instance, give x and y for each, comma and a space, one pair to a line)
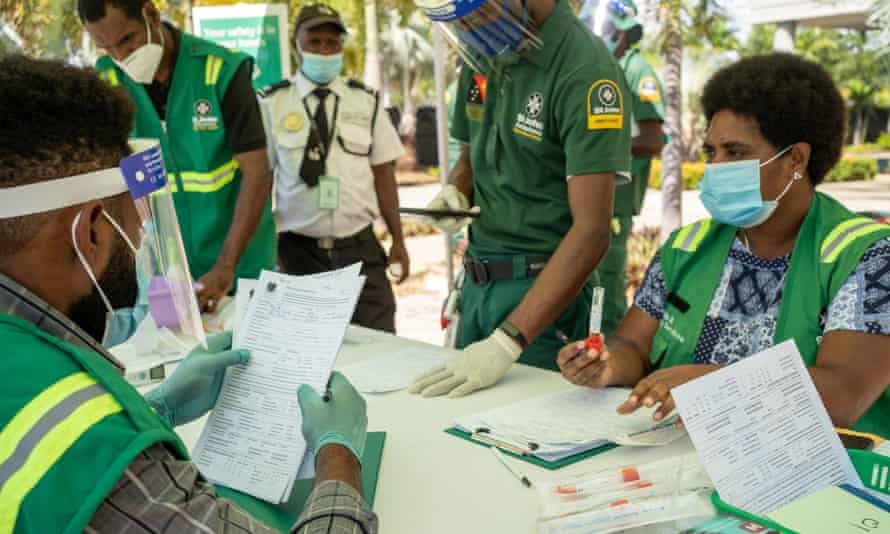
123, 322
321, 69
611, 44
500, 36
731, 192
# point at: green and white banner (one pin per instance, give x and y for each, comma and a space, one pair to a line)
256, 29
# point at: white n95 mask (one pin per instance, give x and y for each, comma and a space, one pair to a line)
143, 63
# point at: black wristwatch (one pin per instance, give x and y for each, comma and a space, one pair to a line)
510, 329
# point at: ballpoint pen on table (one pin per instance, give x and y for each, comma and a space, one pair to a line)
503, 461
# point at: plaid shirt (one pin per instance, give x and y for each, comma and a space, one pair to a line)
159, 493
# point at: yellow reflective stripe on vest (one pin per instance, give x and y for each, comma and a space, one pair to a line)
109, 76
208, 182
844, 234
212, 68
39, 446
36, 408
691, 236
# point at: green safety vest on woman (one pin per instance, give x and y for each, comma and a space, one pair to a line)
206, 179
828, 248
69, 427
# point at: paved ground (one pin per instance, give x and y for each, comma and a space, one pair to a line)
420, 297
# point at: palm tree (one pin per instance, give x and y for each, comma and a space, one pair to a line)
410, 51
672, 155
372, 50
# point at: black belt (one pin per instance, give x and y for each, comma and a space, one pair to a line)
331, 243
484, 271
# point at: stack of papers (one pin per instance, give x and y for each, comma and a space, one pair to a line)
293, 327
395, 370
556, 426
762, 431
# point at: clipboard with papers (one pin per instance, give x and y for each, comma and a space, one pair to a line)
559, 429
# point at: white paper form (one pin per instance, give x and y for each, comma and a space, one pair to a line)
762, 431
294, 327
565, 423
396, 369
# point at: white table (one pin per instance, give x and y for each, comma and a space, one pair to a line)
433, 483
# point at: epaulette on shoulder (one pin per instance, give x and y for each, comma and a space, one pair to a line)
355, 84
269, 89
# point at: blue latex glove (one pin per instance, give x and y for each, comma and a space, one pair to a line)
342, 420
192, 389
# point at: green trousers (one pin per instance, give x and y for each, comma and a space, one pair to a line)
484, 307
612, 273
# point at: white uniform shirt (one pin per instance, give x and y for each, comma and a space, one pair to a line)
287, 130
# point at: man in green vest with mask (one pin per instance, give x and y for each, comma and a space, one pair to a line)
621, 33
80, 449
778, 260
197, 98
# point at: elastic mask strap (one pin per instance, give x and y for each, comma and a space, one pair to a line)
86, 266
794, 178
777, 156
119, 231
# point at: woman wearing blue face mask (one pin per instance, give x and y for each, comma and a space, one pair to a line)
778, 260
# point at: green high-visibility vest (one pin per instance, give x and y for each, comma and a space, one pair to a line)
69, 427
205, 177
829, 246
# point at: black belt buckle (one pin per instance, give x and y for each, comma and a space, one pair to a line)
478, 272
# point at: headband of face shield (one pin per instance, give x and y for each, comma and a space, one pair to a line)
164, 280
486, 33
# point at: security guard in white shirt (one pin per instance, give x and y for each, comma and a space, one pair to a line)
334, 168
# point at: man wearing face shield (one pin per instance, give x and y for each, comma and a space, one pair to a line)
333, 152
544, 115
621, 33
80, 449
197, 98
778, 260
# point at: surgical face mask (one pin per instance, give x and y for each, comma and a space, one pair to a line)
142, 64
125, 321
731, 192
322, 69
117, 289
500, 36
611, 43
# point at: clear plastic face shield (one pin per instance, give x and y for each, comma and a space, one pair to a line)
488, 34
161, 258
165, 284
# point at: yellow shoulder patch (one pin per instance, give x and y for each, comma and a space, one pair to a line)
647, 90
605, 106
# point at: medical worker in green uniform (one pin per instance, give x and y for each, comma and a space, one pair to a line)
777, 261
621, 33
544, 115
197, 98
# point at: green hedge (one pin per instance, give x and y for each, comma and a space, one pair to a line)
848, 169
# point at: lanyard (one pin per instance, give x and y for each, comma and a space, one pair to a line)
325, 143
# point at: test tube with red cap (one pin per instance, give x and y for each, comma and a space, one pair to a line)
595, 338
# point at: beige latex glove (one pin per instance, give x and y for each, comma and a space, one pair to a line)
477, 366
450, 197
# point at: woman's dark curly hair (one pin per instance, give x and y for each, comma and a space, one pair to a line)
792, 99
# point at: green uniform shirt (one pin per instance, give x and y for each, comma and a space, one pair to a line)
563, 110
647, 105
